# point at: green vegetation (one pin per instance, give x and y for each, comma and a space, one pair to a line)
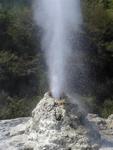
107, 108
23, 71
13, 107
98, 24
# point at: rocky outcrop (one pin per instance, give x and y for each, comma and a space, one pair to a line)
55, 125
105, 127
110, 123
99, 122
60, 127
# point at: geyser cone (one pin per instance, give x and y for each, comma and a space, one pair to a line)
60, 127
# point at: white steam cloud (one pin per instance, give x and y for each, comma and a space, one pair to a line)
59, 19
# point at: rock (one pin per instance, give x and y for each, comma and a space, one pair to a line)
53, 126
99, 122
9, 139
60, 127
18, 130
104, 125
110, 122
105, 129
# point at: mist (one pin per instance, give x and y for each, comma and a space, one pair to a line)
59, 21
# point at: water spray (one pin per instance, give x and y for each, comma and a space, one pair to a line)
59, 20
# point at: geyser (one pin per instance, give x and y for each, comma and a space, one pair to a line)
59, 21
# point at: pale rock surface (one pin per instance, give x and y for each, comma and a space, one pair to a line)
55, 127
60, 127
110, 122
10, 138
105, 127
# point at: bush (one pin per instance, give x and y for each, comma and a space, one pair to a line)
107, 108
16, 107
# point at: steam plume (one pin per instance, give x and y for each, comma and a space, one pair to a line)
59, 19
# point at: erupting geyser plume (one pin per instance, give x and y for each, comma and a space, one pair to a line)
59, 19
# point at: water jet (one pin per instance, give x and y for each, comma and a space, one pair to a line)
59, 21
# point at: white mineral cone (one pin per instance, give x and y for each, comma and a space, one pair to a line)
60, 126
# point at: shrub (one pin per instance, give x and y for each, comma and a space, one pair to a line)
16, 107
107, 108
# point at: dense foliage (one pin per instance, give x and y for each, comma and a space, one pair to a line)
22, 69
98, 24
20, 58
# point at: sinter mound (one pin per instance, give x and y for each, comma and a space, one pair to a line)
59, 125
